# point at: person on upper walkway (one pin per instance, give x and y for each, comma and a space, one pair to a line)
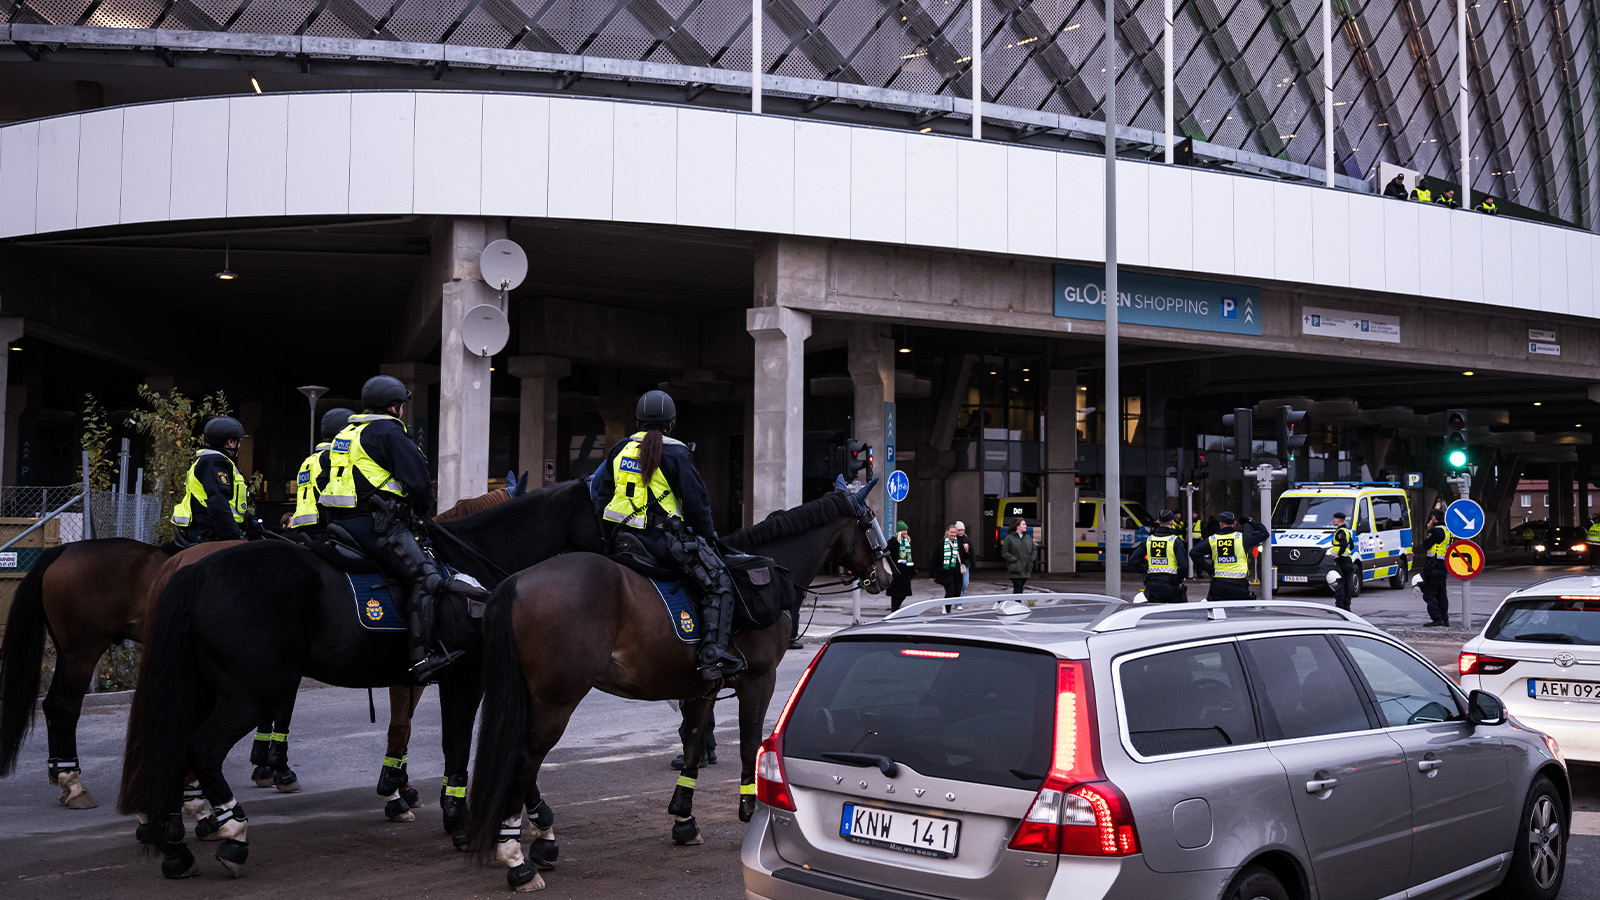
1421, 193
1396, 188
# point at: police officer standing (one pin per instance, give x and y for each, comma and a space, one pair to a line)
1163, 561
1226, 554
1343, 549
377, 478
313, 476
213, 505
1435, 572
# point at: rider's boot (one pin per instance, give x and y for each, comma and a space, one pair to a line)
427, 658
716, 663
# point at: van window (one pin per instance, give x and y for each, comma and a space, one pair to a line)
1086, 513
1139, 516
1389, 513
1190, 699
1315, 511
1363, 516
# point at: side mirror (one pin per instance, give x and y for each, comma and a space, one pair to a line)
1484, 708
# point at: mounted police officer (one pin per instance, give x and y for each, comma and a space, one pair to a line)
377, 478
648, 491
1343, 549
313, 476
1226, 553
214, 499
1164, 563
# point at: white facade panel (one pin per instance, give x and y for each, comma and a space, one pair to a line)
1526, 285
1433, 248
19, 178
318, 159
1499, 287
1254, 249
822, 179
100, 169
981, 197
1368, 256
1031, 213
1171, 216
1212, 201
764, 175
258, 153
1552, 270
146, 163
382, 138
1580, 273
1080, 207
877, 185
1466, 256
448, 153
1330, 238
581, 145
706, 160
516, 155
646, 152
1402, 268
930, 177
200, 159
1133, 213
1291, 232
58, 174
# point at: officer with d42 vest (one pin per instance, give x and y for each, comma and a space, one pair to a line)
215, 497
1343, 551
1226, 554
1164, 563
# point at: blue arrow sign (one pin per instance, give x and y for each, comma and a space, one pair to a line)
1464, 519
899, 485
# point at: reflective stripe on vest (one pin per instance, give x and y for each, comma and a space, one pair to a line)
1594, 532
1162, 552
630, 500
1348, 545
306, 511
195, 492
1436, 551
1227, 556
347, 458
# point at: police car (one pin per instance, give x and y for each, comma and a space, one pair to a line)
1378, 515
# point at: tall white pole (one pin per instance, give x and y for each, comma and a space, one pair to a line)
756, 15
1327, 89
1463, 100
1111, 518
1166, 86
977, 69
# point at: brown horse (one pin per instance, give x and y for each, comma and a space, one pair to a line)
579, 621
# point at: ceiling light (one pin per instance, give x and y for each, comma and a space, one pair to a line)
15, 347
226, 274
925, 129
1469, 372
253, 82
905, 349
1538, 403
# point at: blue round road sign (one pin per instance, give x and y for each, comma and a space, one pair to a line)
899, 485
1464, 519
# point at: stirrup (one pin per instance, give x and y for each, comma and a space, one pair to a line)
722, 665
425, 670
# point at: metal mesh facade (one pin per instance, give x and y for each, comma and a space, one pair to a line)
1248, 73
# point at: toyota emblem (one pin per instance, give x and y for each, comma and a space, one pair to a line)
1294, 555
1565, 660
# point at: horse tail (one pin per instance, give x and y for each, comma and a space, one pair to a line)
21, 656
501, 754
163, 716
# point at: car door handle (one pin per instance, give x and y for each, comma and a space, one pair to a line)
1428, 765
1318, 785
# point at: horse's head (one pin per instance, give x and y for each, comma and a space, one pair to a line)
864, 553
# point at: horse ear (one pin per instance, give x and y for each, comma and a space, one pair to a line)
868, 489
522, 483
511, 482
839, 483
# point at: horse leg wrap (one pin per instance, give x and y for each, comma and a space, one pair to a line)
232, 824
544, 851
278, 751
232, 854
747, 807
194, 802
286, 781
508, 846
398, 810
453, 803
260, 756
179, 863
524, 878
542, 824
57, 766
171, 831
682, 803
73, 793
685, 832
261, 776
392, 777
145, 833
543, 818
411, 797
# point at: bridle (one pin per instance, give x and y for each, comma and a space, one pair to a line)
867, 525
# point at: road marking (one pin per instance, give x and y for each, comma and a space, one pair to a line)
55, 875
1586, 823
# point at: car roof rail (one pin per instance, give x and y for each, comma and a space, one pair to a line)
1003, 604
1121, 619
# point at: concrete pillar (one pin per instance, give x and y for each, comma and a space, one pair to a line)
10, 330
463, 375
778, 418
871, 361
1060, 471
538, 451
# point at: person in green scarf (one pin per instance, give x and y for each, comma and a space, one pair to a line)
905, 567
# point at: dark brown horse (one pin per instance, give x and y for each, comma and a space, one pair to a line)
580, 621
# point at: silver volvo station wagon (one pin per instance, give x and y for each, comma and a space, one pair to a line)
1089, 748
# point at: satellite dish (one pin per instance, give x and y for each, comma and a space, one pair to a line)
503, 265
484, 330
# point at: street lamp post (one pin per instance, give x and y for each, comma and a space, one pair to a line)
1111, 519
313, 392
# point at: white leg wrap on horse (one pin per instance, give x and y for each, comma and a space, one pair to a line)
229, 826
542, 834
508, 849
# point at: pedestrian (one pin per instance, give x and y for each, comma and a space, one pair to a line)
944, 565
1434, 571
904, 568
1422, 194
966, 556
1448, 199
1396, 188
1162, 560
1018, 551
1343, 550
1226, 554
1487, 207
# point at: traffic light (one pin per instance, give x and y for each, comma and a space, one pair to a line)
1243, 423
1456, 457
1202, 466
1289, 438
858, 457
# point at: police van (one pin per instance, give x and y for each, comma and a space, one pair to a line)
1378, 515
1089, 535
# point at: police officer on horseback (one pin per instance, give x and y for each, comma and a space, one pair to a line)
648, 492
377, 477
313, 476
214, 499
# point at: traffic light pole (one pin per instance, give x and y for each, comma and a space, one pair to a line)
1263, 474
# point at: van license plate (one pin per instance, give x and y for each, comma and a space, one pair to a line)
897, 829
1296, 579
1541, 689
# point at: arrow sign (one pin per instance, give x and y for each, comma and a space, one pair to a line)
1249, 310
1464, 519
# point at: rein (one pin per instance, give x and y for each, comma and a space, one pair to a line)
435, 527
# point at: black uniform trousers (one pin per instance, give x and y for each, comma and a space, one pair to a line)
1224, 588
1434, 593
1347, 573
1164, 588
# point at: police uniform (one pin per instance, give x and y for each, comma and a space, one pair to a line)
1226, 553
1343, 550
1435, 574
1165, 565
313, 475
214, 496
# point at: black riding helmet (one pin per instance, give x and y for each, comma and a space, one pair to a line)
656, 408
383, 391
334, 421
222, 429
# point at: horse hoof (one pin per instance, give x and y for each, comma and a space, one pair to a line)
747, 808
286, 782
398, 811
262, 776
543, 852
206, 830
685, 833
73, 794
524, 878
411, 797
180, 864
232, 854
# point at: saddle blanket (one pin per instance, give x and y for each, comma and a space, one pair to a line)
681, 609
377, 609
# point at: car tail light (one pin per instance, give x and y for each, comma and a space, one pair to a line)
1477, 664
772, 787
1076, 811
1578, 548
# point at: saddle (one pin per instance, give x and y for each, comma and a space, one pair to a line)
762, 588
341, 550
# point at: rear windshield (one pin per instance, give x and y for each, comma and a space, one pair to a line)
1312, 512
1551, 620
978, 714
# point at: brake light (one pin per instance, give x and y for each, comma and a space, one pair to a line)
931, 654
1477, 664
772, 788
1076, 811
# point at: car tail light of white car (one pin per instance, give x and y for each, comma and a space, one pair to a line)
1478, 664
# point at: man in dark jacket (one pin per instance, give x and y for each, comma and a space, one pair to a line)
1226, 555
1163, 561
1396, 188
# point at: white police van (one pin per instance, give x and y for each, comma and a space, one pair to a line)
1378, 515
